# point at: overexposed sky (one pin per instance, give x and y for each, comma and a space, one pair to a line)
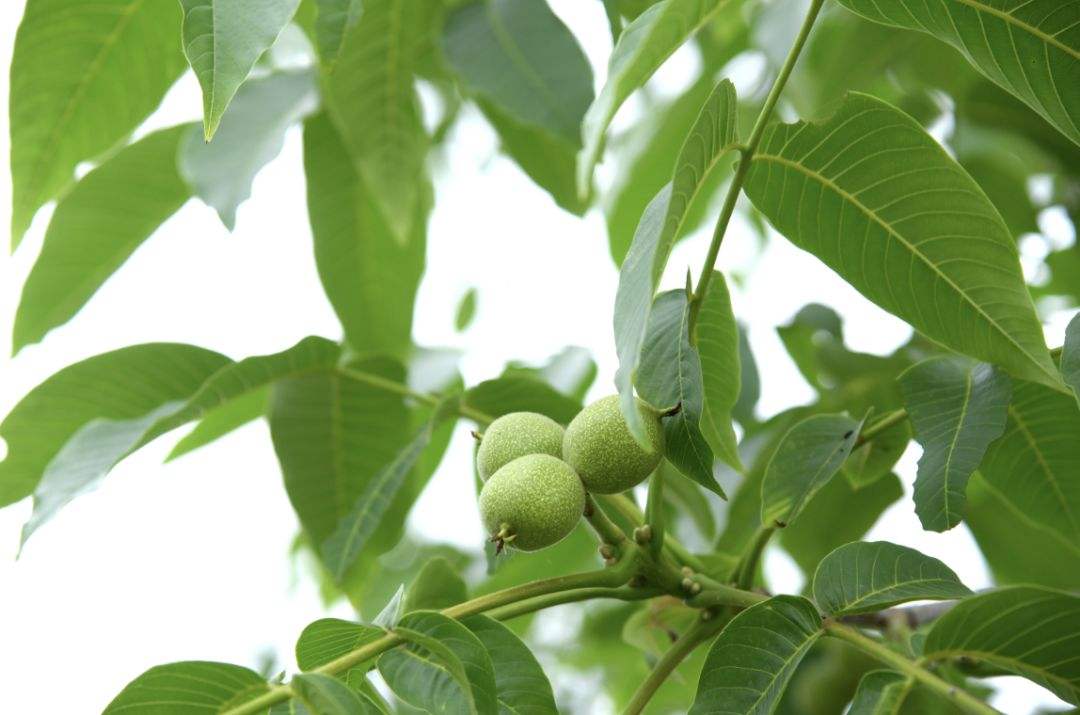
189, 560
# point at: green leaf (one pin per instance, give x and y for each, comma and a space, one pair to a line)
188, 688
73, 94
717, 340
121, 386
643, 46
251, 134
392, 612
805, 334
877, 457
670, 375
1070, 356
519, 57
749, 383
571, 371
520, 684
444, 669
686, 499
222, 41
466, 310
370, 95
1035, 465
96, 227
870, 576
435, 587
1030, 631
808, 456
354, 245
1031, 49
329, 638
712, 135
333, 20
958, 408
837, 515
768, 639
343, 548
520, 393
222, 420
326, 695
881, 692
902, 238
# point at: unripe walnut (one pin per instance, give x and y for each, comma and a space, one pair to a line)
516, 435
532, 502
600, 448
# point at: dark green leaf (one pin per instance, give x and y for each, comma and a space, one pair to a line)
1002, 39
806, 459
96, 227
1033, 632
713, 134
523, 60
902, 238
188, 688
670, 375
871, 576
334, 19
445, 668
328, 638
435, 587
520, 684
643, 46
881, 692
958, 408
466, 310
520, 393
353, 246
877, 457
119, 388
222, 41
251, 134
1070, 356
717, 342
769, 639
71, 101
326, 695
372, 98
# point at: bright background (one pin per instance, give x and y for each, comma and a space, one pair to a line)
189, 560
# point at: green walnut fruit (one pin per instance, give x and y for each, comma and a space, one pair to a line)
516, 435
532, 502
600, 448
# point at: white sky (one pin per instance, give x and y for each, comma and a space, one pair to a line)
188, 560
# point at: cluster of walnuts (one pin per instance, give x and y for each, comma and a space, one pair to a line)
536, 474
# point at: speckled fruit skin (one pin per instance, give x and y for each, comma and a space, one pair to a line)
600, 448
516, 435
539, 497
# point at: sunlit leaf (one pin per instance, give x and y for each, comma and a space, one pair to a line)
188, 688
521, 393
872, 195
333, 20
466, 310
571, 371
326, 695
222, 420
330, 638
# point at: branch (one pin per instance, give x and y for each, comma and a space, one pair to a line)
700, 632
522, 608
913, 617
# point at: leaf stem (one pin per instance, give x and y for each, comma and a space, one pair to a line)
889, 420
748, 565
630, 511
957, 696
747, 156
606, 529
700, 632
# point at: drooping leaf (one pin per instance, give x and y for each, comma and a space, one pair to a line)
1033, 632
713, 134
445, 668
328, 638
250, 135
121, 386
871, 576
872, 195
1035, 464
520, 684
73, 96
466, 310
370, 95
222, 41
958, 408
222, 420
768, 639
435, 587
523, 60
670, 375
333, 20
96, 227
188, 688
881, 692
354, 245
1070, 356
807, 458
1031, 49
717, 342
643, 46
326, 695
521, 393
